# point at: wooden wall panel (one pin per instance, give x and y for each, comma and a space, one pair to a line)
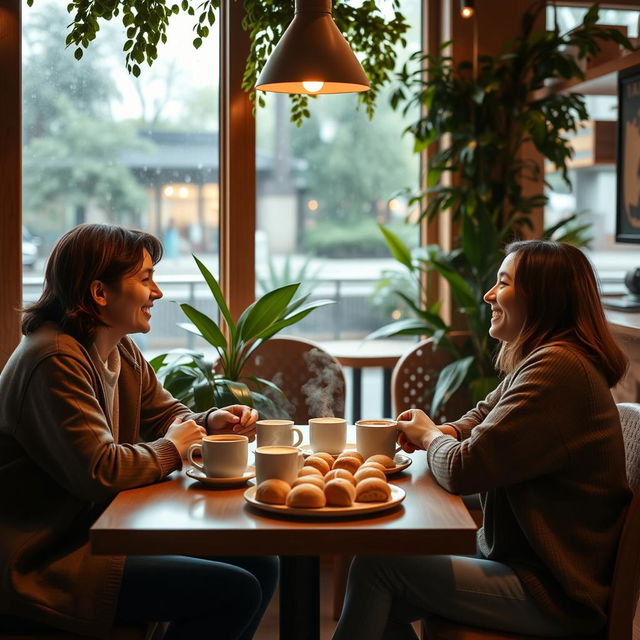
10, 179
237, 165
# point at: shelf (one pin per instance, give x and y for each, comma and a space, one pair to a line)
600, 81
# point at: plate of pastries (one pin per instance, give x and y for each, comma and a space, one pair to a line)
330, 487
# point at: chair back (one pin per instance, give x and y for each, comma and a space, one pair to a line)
626, 578
310, 377
414, 378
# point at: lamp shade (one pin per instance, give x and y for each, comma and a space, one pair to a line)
314, 52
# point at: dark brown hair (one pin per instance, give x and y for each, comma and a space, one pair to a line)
557, 286
86, 253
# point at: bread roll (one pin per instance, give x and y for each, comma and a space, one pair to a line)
385, 461
306, 496
339, 493
318, 481
352, 453
272, 491
368, 472
309, 471
372, 490
347, 462
375, 465
340, 473
327, 457
319, 463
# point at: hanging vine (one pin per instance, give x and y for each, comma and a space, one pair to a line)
372, 36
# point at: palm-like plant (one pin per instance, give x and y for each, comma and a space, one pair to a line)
202, 384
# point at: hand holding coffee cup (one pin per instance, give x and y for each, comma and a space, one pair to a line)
328, 434
223, 456
374, 437
183, 433
277, 433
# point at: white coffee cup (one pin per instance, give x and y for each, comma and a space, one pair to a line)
223, 456
277, 433
375, 437
278, 462
328, 434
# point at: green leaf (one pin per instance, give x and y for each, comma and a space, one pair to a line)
461, 290
398, 249
449, 381
207, 328
400, 327
216, 291
203, 396
265, 312
240, 391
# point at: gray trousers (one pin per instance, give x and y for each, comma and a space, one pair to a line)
385, 594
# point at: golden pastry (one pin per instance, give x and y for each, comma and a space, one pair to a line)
368, 471
318, 481
327, 457
352, 453
309, 471
319, 463
372, 490
347, 462
339, 493
306, 496
375, 465
340, 473
272, 491
385, 461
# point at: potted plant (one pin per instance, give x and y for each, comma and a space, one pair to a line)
200, 383
486, 116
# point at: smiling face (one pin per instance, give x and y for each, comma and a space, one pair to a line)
507, 312
126, 307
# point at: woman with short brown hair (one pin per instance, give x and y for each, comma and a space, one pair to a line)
82, 417
545, 452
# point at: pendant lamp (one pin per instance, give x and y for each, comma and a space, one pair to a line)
312, 56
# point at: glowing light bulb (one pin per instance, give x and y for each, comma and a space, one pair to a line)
312, 86
467, 12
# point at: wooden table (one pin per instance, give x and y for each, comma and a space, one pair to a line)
180, 516
360, 354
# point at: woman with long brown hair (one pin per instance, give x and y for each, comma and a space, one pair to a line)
82, 417
545, 452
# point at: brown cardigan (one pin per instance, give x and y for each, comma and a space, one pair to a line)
545, 450
59, 468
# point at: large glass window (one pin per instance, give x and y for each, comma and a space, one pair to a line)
593, 196
103, 146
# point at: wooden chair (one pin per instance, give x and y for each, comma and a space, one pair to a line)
310, 377
415, 375
626, 578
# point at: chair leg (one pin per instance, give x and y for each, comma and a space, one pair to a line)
341, 566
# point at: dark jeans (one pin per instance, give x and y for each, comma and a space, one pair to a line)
222, 598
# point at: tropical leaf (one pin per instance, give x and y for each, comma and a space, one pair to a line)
205, 326
407, 326
265, 311
398, 249
449, 381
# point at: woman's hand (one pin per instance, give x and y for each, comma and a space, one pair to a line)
184, 434
416, 430
236, 418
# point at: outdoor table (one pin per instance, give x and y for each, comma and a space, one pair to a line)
181, 516
360, 354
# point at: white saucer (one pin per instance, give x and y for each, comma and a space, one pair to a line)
198, 475
402, 461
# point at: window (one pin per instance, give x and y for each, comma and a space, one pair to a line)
103, 146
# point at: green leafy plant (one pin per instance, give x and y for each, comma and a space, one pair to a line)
482, 119
370, 33
276, 276
201, 384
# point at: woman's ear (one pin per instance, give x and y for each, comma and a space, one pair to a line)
98, 293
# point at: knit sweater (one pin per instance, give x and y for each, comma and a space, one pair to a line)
545, 451
63, 457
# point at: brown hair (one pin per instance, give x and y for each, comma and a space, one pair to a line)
86, 253
557, 286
